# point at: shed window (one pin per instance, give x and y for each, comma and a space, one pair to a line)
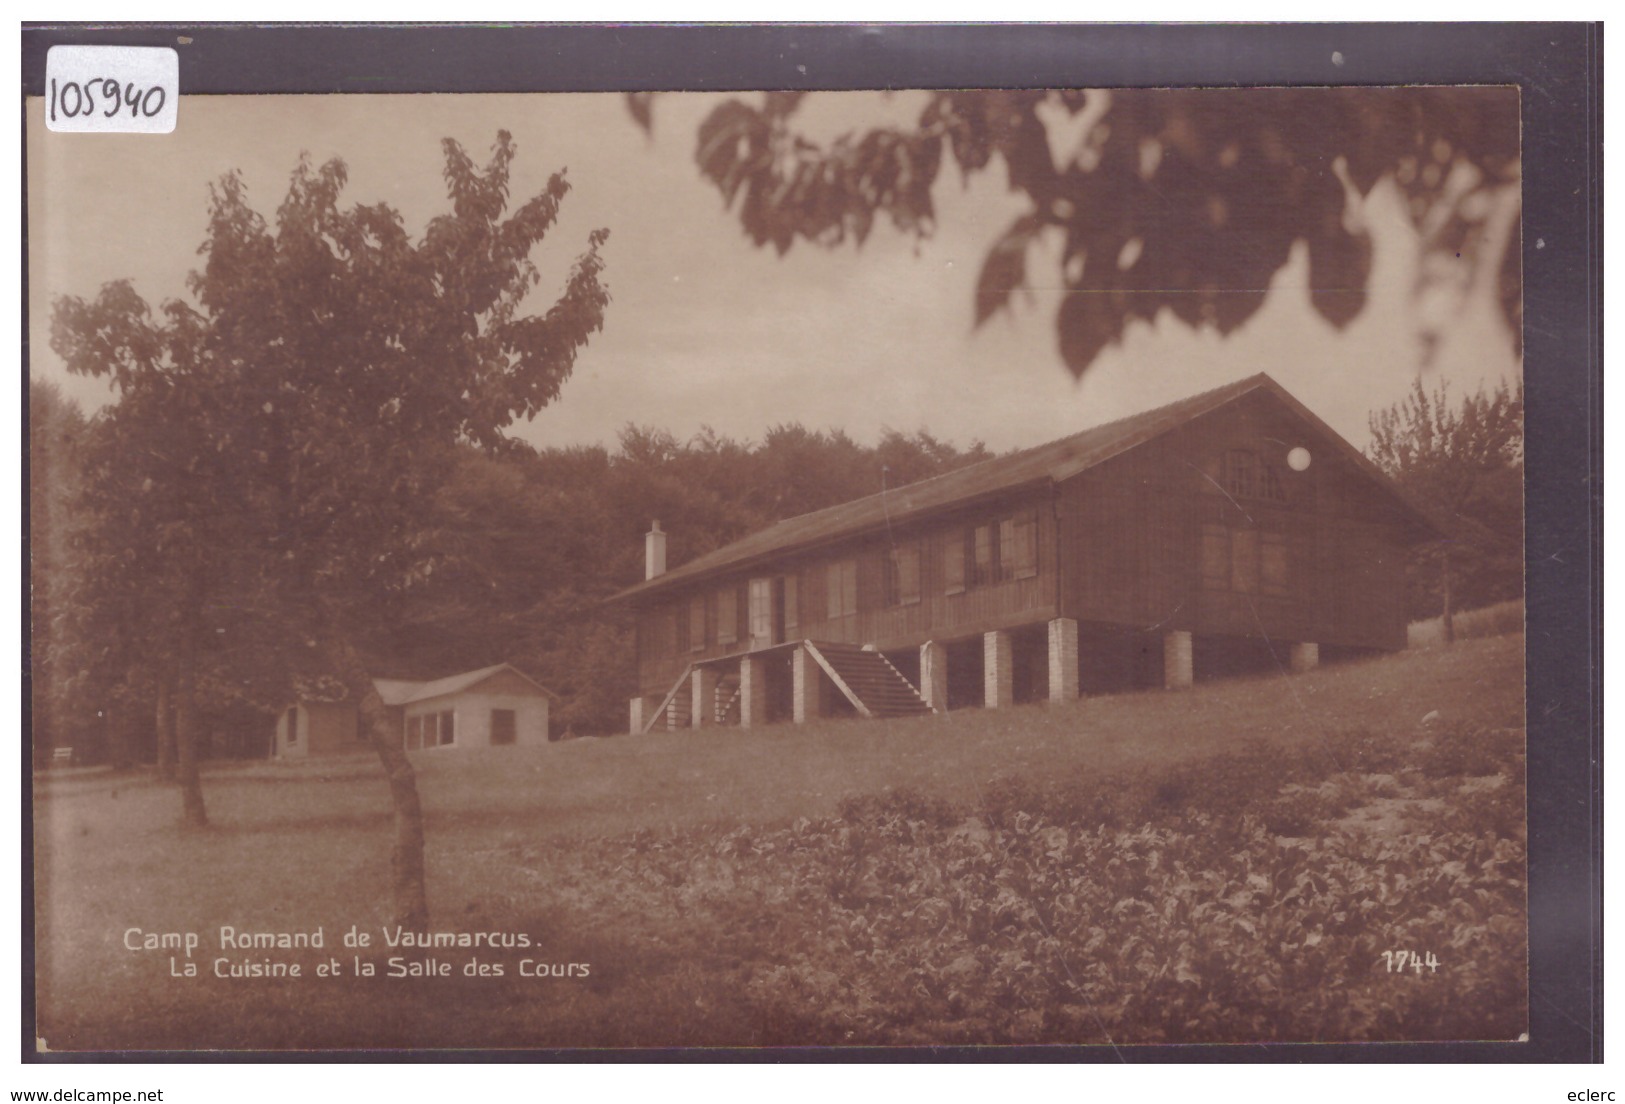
504, 726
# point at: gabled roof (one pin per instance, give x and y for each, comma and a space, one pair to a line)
1051, 462
402, 692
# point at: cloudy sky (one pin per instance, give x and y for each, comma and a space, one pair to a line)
704, 329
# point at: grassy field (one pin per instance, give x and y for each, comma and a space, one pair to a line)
843, 882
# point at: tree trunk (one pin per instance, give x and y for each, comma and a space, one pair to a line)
406, 856
120, 719
1449, 612
165, 717
186, 746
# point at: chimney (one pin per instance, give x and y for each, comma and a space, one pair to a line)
654, 552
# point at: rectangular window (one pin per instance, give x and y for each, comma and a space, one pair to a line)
1215, 557
696, 623
1272, 565
984, 555
504, 726
448, 728
1023, 547
792, 605
843, 589
953, 563
293, 724
728, 615
761, 611
1244, 561
903, 576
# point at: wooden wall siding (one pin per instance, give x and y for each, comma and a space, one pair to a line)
1120, 544
1131, 537
936, 616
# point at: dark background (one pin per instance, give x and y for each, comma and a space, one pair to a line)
1556, 65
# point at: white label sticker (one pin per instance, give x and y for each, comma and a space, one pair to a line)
112, 89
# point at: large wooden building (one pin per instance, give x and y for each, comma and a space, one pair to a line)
1227, 533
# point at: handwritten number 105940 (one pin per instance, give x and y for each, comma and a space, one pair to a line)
74, 99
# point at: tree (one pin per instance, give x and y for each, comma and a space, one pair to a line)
1465, 463
1185, 200
55, 428
330, 369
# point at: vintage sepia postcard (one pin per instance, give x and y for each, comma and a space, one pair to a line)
914, 568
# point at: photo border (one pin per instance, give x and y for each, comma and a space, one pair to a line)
1557, 66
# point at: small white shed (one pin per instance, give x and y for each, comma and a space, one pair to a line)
490, 707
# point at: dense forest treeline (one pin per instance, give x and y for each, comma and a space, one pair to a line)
520, 550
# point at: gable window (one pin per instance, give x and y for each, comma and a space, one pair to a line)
903, 575
1245, 476
842, 589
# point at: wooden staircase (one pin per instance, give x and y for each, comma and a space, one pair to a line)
868, 680
726, 700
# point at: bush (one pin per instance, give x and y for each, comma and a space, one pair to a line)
902, 803
1457, 750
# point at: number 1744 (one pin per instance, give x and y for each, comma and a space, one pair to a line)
1399, 961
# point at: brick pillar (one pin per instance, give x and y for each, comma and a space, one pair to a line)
752, 691
1063, 659
1305, 657
1177, 672
997, 671
703, 702
934, 675
804, 685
